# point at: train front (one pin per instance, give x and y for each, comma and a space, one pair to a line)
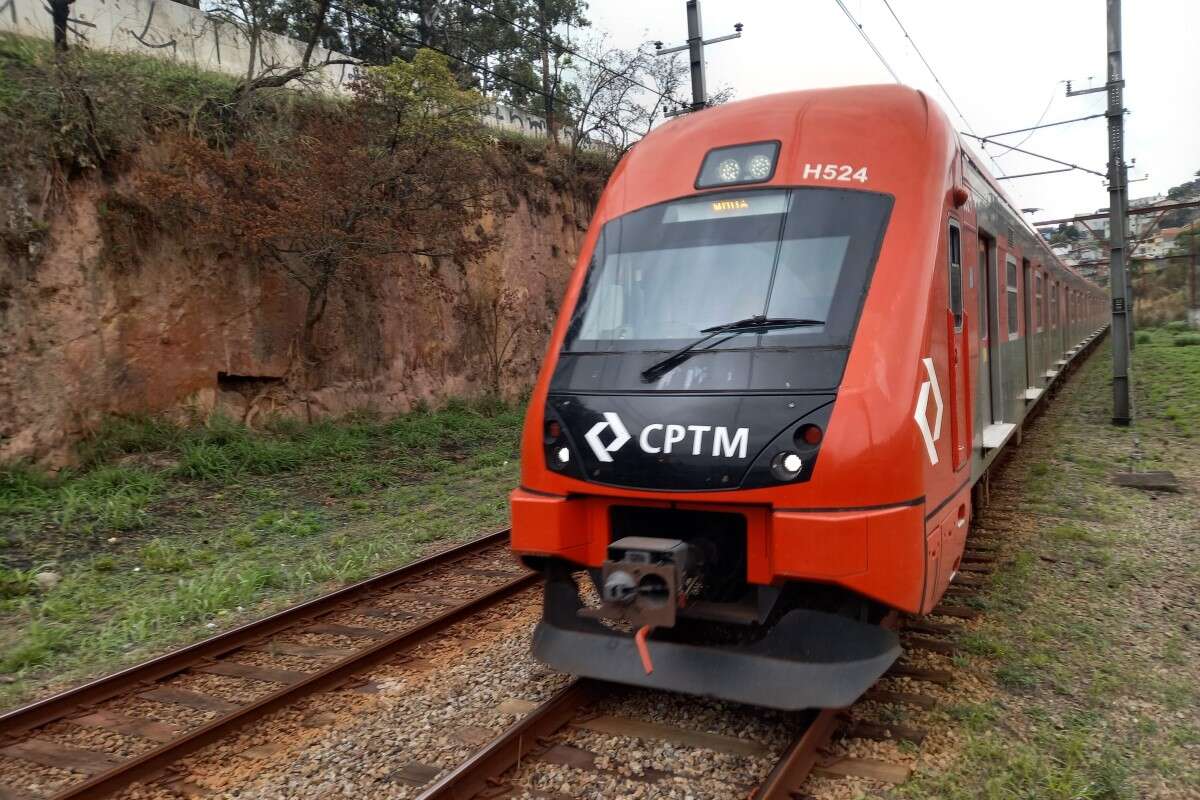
686, 409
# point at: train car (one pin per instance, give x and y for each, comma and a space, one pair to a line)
800, 329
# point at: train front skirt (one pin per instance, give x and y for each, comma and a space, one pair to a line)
808, 659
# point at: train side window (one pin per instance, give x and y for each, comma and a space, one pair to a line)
956, 291
1054, 305
1038, 311
1013, 299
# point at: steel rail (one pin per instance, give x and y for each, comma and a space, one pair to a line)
16, 724
799, 759
504, 752
41, 712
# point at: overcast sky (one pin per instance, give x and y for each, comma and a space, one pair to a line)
1001, 61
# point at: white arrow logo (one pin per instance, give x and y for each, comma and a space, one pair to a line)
920, 416
620, 436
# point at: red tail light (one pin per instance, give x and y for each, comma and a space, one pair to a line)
810, 435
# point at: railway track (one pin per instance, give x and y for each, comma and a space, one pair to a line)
584, 734
325, 643
537, 751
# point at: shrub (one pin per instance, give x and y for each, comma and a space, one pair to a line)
1187, 340
1143, 337
1177, 326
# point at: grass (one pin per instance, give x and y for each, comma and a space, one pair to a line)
1085, 642
165, 533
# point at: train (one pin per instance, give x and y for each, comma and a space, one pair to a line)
800, 330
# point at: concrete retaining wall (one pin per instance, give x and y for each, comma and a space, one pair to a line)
181, 33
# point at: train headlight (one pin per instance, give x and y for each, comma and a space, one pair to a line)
729, 170
739, 164
786, 465
563, 455
759, 167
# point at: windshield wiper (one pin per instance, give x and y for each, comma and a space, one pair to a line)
750, 324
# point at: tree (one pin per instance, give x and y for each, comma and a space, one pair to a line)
398, 172
256, 20
611, 101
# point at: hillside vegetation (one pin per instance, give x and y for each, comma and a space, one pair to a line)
176, 243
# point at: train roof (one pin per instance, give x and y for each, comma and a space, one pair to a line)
834, 124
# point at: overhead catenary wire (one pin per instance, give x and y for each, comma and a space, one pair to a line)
993, 136
925, 61
1037, 124
1035, 155
867, 39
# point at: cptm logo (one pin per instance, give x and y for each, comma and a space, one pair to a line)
661, 437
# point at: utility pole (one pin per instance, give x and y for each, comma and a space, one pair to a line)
1118, 281
1193, 316
695, 47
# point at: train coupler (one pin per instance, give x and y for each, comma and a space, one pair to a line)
807, 659
644, 581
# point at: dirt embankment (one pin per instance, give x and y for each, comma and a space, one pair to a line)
99, 316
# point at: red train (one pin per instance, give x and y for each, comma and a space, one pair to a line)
800, 330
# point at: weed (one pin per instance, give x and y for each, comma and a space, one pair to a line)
290, 523
981, 644
17, 582
1187, 340
37, 646
1069, 533
242, 539
159, 555
1017, 675
108, 499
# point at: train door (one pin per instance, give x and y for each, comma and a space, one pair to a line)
959, 353
1066, 319
1055, 336
1027, 294
989, 330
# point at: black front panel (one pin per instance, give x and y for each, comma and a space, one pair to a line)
681, 442
813, 369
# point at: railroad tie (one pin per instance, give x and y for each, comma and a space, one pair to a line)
61, 756
900, 698
879, 731
939, 676
235, 669
150, 729
183, 697
874, 769
931, 645
960, 612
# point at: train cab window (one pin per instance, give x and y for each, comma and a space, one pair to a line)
1038, 310
956, 292
1014, 326
660, 276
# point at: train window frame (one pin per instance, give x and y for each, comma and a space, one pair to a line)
1054, 305
954, 256
1013, 297
985, 247
1039, 314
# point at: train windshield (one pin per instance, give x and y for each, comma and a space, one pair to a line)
661, 275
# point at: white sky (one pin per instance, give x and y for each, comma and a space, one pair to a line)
1001, 60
